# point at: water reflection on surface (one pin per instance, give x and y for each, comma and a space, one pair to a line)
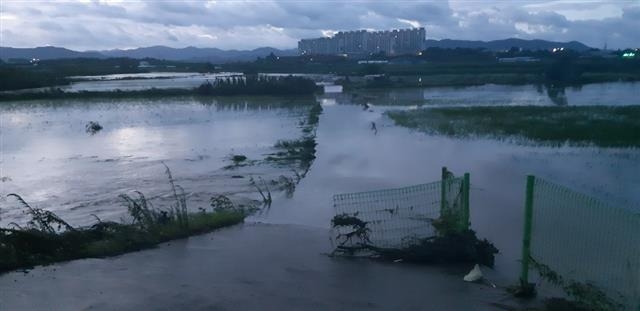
145, 81
613, 94
352, 158
53, 163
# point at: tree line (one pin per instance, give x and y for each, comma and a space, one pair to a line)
259, 85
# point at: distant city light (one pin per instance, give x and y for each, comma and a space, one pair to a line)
629, 55
557, 50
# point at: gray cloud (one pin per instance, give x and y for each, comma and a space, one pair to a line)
631, 13
104, 24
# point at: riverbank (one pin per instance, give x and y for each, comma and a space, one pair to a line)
47, 238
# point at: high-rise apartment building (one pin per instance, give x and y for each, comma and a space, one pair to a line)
361, 42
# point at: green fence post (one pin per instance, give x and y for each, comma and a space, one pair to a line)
526, 237
443, 190
466, 185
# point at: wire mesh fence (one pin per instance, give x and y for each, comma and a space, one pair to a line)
583, 241
396, 218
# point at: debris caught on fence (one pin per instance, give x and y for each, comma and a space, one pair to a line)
425, 223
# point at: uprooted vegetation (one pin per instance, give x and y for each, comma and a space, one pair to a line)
297, 154
46, 238
93, 127
238, 161
238, 158
450, 246
453, 247
263, 190
397, 224
302, 150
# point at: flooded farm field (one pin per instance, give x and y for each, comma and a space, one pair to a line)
52, 162
49, 159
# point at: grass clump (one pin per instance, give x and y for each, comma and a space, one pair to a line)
47, 238
584, 296
602, 126
238, 158
301, 150
93, 127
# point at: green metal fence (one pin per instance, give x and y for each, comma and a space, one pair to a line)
396, 218
581, 243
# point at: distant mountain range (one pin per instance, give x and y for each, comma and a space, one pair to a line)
45, 52
505, 44
212, 55
215, 55
194, 54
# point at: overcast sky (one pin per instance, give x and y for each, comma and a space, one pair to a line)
107, 24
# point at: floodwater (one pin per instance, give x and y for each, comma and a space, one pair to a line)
141, 81
149, 75
161, 80
245, 267
611, 94
49, 159
52, 162
352, 158
145, 81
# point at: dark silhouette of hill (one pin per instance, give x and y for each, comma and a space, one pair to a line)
191, 54
45, 52
506, 44
214, 55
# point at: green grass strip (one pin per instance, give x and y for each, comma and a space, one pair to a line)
602, 126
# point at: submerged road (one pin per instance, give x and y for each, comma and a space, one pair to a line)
245, 267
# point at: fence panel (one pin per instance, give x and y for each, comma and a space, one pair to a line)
395, 218
585, 241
